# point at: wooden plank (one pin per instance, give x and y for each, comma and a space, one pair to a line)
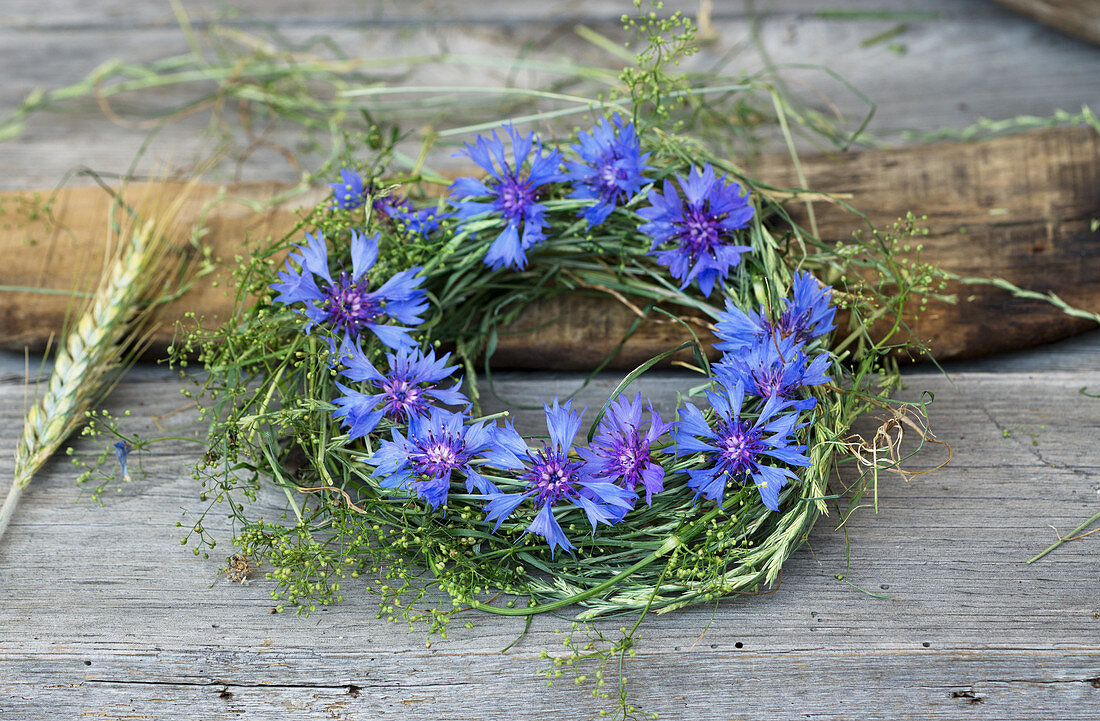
104, 614
1019, 208
142, 628
970, 59
1079, 18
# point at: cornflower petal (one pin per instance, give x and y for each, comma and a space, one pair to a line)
349, 192
359, 411
562, 422
122, 452
508, 449
364, 254
548, 527
502, 505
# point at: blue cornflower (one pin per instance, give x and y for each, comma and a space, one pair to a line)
612, 168
422, 222
739, 449
122, 452
702, 227
809, 313
553, 477
621, 450
774, 368
346, 305
418, 222
436, 446
408, 390
350, 191
512, 191
807, 316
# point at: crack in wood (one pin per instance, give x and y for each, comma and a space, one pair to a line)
351, 689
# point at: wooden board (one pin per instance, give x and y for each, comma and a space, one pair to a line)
1019, 208
104, 614
1079, 18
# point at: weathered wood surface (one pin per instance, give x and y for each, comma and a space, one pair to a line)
1017, 208
1079, 18
104, 614
959, 60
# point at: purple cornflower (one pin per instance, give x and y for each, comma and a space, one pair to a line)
552, 477
702, 228
612, 168
512, 191
350, 191
407, 391
807, 315
774, 368
346, 305
621, 451
436, 446
738, 449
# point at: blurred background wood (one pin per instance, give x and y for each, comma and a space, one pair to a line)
1079, 18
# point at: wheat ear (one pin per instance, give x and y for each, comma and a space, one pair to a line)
94, 347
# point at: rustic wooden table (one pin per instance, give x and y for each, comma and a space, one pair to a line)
104, 614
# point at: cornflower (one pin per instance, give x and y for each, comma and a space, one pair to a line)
806, 316
350, 191
436, 446
612, 168
418, 222
622, 452
346, 305
406, 391
735, 448
552, 477
512, 191
702, 228
774, 368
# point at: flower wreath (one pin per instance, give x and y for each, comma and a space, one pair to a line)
353, 358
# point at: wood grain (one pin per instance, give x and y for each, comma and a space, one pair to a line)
141, 628
1019, 208
953, 62
103, 614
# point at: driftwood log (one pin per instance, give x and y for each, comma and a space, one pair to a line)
1019, 208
